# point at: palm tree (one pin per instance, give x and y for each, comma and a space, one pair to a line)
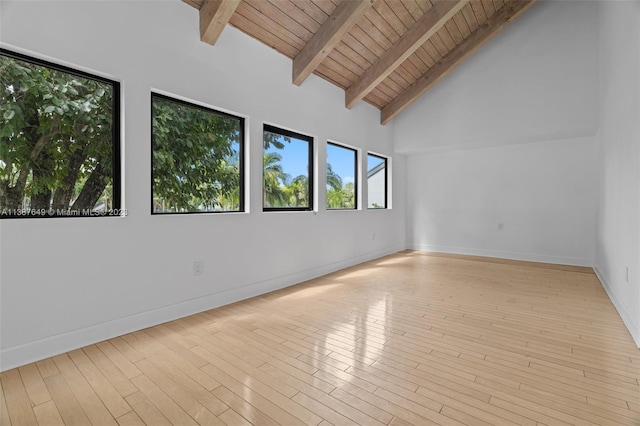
298, 190
335, 196
349, 194
335, 199
334, 180
275, 179
228, 186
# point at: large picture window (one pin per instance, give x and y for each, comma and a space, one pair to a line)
376, 181
287, 170
197, 158
342, 172
59, 140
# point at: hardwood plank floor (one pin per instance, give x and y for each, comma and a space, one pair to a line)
410, 339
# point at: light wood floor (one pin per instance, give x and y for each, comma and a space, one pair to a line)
408, 339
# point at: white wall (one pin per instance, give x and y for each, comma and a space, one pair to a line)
68, 282
535, 81
618, 220
502, 153
532, 201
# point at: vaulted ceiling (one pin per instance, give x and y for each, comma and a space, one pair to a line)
384, 52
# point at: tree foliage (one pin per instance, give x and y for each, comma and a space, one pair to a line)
196, 158
56, 137
276, 140
275, 181
339, 195
334, 181
279, 190
343, 198
298, 191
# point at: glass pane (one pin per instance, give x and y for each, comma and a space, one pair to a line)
197, 158
286, 164
376, 182
341, 177
59, 141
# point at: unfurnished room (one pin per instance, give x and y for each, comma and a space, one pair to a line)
319, 212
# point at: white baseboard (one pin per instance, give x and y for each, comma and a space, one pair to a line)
632, 323
530, 257
54, 345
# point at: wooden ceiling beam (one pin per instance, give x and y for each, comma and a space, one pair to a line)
496, 23
416, 36
327, 37
214, 16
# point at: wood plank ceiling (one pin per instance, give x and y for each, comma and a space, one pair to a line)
385, 52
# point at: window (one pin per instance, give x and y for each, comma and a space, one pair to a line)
197, 158
59, 140
288, 170
342, 172
376, 181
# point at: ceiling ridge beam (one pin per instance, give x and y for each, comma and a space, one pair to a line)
494, 25
426, 26
214, 16
327, 37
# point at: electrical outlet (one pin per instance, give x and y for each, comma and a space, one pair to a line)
626, 273
198, 268
373, 237
500, 226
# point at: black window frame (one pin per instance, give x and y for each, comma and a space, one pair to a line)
310, 181
241, 153
356, 177
116, 168
386, 181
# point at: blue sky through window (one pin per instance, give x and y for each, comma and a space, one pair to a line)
373, 161
342, 162
295, 156
295, 159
